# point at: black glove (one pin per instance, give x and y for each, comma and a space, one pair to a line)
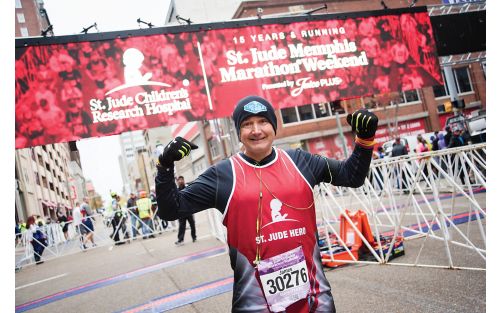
364, 123
175, 150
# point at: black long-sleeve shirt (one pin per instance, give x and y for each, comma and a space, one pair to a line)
213, 187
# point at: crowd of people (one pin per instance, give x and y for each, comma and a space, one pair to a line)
452, 137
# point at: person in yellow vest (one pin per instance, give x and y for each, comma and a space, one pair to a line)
144, 206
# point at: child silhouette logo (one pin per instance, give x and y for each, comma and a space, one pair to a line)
276, 206
275, 211
132, 62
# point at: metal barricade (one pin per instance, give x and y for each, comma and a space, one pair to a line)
435, 201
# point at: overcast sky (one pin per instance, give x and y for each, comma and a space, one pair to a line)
99, 156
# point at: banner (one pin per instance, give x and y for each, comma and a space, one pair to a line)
72, 89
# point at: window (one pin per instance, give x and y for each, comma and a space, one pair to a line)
462, 79
24, 32
57, 190
410, 96
214, 148
199, 166
40, 160
441, 91
47, 166
33, 157
18, 4
37, 178
305, 112
336, 106
289, 115
44, 148
20, 18
322, 109
311, 111
44, 181
51, 186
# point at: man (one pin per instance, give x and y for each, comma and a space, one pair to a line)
132, 209
265, 193
435, 141
118, 219
447, 136
88, 220
182, 220
144, 206
398, 149
80, 229
456, 141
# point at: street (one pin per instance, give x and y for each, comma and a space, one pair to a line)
154, 275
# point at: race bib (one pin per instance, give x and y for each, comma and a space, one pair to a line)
284, 278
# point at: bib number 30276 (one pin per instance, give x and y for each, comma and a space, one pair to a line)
284, 279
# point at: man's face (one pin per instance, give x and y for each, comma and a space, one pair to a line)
257, 135
180, 181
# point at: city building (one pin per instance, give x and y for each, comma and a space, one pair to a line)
200, 11
31, 19
42, 181
130, 143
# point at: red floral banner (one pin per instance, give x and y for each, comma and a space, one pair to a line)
76, 90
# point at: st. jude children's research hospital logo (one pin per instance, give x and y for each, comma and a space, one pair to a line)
276, 215
142, 102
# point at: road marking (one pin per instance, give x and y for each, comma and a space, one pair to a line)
184, 297
42, 281
117, 279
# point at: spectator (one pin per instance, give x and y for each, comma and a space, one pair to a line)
448, 135
441, 142
457, 141
37, 239
132, 209
182, 221
144, 206
398, 149
118, 219
63, 221
435, 141
80, 229
422, 145
466, 137
88, 220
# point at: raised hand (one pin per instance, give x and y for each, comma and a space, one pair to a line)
364, 123
175, 151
